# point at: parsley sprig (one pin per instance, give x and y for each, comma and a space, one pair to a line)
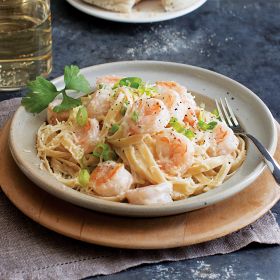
43, 92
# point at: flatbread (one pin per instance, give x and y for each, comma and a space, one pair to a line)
122, 6
174, 5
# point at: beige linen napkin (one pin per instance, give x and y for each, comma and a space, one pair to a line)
29, 251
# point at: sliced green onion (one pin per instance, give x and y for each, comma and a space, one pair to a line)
178, 127
124, 108
212, 125
99, 149
114, 128
133, 82
115, 86
82, 116
103, 151
206, 126
203, 125
84, 177
215, 112
188, 133
148, 91
137, 84
135, 116
201, 115
173, 121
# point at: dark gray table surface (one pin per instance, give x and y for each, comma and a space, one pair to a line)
238, 38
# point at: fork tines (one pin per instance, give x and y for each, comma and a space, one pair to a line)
226, 112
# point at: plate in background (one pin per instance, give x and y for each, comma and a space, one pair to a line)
144, 12
251, 111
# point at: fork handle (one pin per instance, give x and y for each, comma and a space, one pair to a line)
270, 161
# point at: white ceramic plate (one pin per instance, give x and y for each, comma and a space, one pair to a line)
144, 12
251, 111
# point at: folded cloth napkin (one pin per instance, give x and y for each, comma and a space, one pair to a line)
29, 251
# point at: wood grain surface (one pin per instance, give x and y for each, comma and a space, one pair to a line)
135, 233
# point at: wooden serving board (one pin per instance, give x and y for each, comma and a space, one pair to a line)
135, 233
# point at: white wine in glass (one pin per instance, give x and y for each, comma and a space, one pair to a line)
25, 42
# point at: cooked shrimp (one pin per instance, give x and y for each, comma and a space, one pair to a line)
148, 115
225, 142
191, 117
110, 179
174, 152
107, 80
88, 135
153, 194
173, 102
100, 103
102, 99
171, 85
187, 100
186, 97
54, 117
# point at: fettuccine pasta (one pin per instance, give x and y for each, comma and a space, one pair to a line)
139, 143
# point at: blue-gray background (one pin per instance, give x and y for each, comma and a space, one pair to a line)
238, 38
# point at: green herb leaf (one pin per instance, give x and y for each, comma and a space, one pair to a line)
135, 116
178, 127
133, 82
104, 152
42, 93
82, 116
74, 81
67, 103
114, 128
84, 177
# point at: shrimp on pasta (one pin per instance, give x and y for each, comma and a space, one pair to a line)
131, 141
148, 115
174, 152
110, 179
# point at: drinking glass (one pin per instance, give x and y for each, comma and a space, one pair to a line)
25, 42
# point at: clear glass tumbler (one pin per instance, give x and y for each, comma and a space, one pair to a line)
25, 42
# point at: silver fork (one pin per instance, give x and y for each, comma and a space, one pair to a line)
228, 117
